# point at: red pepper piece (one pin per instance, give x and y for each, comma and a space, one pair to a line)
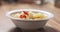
25, 12
22, 16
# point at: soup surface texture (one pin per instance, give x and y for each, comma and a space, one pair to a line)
29, 15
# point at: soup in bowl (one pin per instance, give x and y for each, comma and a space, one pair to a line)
29, 18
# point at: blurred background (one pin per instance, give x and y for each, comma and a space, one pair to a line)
46, 5
56, 3
27, 1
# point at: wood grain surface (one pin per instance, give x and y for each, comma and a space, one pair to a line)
6, 25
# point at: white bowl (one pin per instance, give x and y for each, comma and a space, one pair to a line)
29, 24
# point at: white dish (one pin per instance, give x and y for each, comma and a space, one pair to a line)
29, 24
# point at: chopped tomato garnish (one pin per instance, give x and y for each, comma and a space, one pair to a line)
23, 16
25, 12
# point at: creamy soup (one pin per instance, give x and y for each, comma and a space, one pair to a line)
28, 15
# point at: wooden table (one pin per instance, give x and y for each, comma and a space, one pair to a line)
6, 24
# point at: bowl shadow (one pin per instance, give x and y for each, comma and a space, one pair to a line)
45, 29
